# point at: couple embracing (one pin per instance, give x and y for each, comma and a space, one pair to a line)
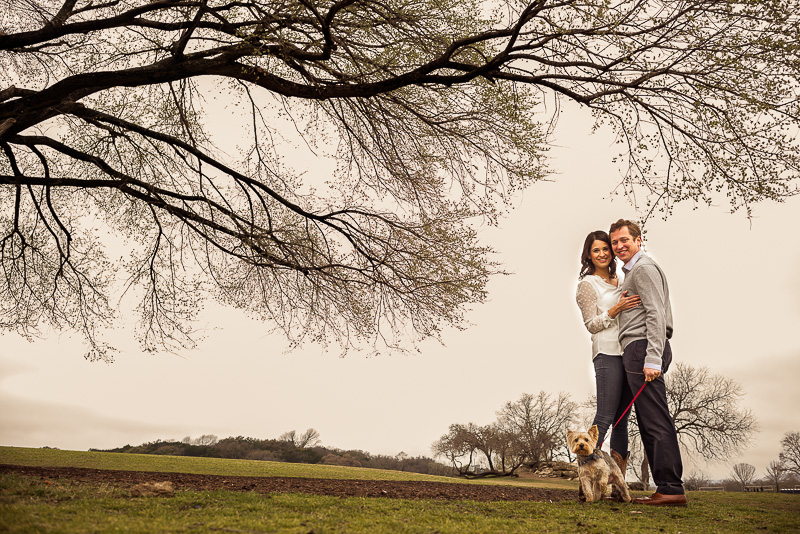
630, 319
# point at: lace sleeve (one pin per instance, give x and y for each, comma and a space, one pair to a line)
587, 302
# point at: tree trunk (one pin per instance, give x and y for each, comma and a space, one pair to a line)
645, 477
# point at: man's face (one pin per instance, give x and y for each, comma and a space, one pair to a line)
625, 246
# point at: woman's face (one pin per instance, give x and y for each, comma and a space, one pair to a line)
600, 254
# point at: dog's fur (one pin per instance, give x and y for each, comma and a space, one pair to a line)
596, 471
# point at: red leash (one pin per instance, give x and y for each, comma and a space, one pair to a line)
629, 406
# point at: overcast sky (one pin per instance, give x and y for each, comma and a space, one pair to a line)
735, 289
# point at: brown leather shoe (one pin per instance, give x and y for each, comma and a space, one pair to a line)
658, 499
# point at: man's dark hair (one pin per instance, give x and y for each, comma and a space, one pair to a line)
633, 228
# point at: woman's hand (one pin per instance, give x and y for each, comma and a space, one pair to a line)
625, 303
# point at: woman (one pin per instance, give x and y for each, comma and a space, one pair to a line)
600, 301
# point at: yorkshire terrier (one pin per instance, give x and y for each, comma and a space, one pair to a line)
596, 469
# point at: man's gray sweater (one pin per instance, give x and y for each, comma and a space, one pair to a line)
652, 320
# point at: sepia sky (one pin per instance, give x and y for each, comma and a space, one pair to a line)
735, 287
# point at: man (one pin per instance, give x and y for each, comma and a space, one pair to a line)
644, 333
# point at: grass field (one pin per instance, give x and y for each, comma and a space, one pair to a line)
29, 504
201, 466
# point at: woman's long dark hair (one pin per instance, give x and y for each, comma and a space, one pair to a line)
587, 267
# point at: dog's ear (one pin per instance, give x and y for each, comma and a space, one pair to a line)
569, 435
593, 432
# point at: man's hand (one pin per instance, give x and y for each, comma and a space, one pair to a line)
651, 374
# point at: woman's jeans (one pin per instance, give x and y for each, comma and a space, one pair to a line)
611, 385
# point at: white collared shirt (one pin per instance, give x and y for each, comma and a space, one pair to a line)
634, 259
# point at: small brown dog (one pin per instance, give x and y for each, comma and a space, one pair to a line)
596, 469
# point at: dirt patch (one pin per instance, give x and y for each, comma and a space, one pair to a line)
314, 486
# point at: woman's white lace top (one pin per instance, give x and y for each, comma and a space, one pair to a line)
595, 297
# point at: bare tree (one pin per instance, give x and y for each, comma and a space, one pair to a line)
429, 108
456, 447
465, 445
206, 439
708, 419
481, 451
509, 450
587, 412
790, 452
540, 423
309, 438
290, 436
696, 480
744, 474
637, 462
705, 410
776, 473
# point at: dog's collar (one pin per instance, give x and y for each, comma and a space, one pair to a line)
589, 458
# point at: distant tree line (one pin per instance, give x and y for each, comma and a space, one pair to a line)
743, 477
289, 447
709, 419
530, 431
780, 475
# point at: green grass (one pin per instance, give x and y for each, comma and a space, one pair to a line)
32, 505
221, 466
200, 466
29, 504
